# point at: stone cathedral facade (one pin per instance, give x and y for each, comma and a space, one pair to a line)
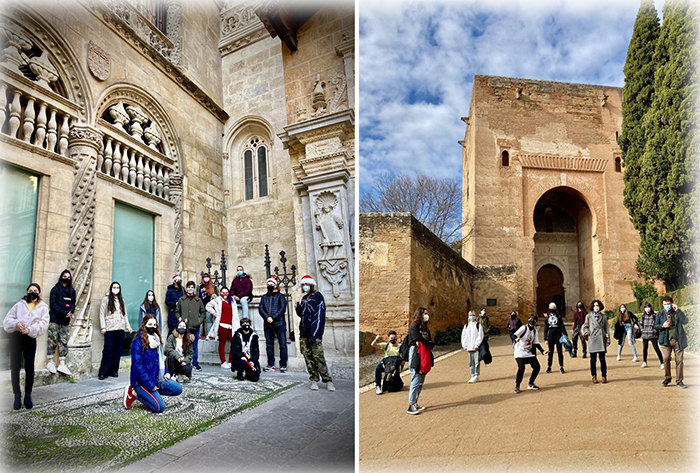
140, 137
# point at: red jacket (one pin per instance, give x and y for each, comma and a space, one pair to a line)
425, 358
579, 318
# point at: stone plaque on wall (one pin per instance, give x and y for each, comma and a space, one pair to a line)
98, 61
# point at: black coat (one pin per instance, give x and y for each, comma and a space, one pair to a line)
62, 302
171, 297
237, 346
275, 306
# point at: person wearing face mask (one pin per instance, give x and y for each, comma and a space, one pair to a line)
178, 352
650, 335
172, 295
483, 320
672, 338
242, 290
150, 306
472, 336
113, 323
418, 341
311, 309
579, 318
206, 292
390, 349
554, 329
191, 309
527, 341
624, 329
62, 305
597, 332
272, 309
245, 353
225, 315
150, 378
27, 320
514, 323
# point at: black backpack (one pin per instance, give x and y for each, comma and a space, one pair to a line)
392, 374
404, 349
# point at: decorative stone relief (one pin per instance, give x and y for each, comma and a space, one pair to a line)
176, 198
85, 143
301, 113
17, 42
330, 224
99, 62
340, 86
138, 119
151, 134
318, 98
234, 20
119, 115
334, 271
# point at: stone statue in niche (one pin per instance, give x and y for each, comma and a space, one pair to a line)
318, 102
330, 224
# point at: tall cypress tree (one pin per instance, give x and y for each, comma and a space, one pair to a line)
637, 95
668, 168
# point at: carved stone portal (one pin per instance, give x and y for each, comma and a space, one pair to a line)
330, 224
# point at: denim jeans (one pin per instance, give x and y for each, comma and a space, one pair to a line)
195, 357
417, 378
630, 340
244, 306
474, 362
279, 332
154, 400
378, 373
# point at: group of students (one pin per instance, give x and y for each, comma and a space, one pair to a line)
157, 358
663, 329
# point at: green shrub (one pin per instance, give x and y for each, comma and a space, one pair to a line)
449, 335
693, 328
643, 291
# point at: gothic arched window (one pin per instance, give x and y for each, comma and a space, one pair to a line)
255, 168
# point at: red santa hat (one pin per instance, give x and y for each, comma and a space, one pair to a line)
307, 280
272, 280
177, 276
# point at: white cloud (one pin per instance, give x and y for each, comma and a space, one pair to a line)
417, 61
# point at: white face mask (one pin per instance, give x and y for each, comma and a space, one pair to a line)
596, 309
483, 312
206, 279
190, 290
622, 309
115, 290
305, 288
426, 317
150, 298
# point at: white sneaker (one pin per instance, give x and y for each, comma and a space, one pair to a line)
63, 368
635, 360
51, 366
663, 366
618, 358
329, 386
472, 379
225, 365
313, 385
378, 390
644, 365
477, 379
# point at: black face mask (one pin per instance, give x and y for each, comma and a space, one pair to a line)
245, 327
393, 341
181, 330
580, 306
151, 330
32, 296
531, 324
270, 288
66, 280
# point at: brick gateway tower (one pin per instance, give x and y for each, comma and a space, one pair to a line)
542, 196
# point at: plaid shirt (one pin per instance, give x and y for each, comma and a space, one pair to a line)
648, 331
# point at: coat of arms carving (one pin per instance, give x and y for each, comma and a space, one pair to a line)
98, 61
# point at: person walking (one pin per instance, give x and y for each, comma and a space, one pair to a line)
672, 338
554, 329
113, 324
472, 336
245, 353
191, 309
390, 348
150, 306
172, 295
597, 331
150, 378
527, 342
419, 341
626, 323
62, 306
179, 352
514, 323
650, 335
579, 317
272, 309
312, 311
242, 290
27, 320
206, 292
225, 316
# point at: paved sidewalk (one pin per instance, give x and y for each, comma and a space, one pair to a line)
632, 423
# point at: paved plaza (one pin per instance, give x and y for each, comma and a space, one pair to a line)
630, 424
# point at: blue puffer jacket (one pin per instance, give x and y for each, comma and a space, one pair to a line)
312, 310
144, 365
171, 297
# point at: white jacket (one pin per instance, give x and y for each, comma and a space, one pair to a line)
214, 308
37, 320
528, 338
472, 336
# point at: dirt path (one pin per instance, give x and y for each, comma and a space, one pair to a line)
632, 423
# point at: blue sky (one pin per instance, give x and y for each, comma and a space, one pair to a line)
417, 61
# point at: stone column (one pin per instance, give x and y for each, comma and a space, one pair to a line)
175, 183
84, 145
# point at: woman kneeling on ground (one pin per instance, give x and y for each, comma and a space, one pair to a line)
179, 351
150, 379
527, 340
